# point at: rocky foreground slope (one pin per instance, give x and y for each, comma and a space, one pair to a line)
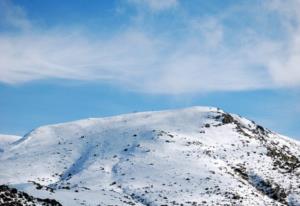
193, 156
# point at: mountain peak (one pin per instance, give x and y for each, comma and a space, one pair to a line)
191, 156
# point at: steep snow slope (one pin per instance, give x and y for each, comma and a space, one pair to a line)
193, 156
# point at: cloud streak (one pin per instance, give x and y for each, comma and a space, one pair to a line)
207, 55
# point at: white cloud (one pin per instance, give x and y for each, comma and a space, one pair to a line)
200, 61
285, 68
131, 59
35, 56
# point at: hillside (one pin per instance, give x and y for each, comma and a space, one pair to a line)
193, 156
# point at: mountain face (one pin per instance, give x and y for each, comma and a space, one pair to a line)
193, 156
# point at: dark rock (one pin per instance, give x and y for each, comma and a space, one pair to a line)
207, 125
227, 119
12, 197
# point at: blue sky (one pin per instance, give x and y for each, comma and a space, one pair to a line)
61, 61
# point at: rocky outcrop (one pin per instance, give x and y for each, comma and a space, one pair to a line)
12, 197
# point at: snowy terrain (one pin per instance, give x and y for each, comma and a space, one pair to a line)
6, 140
193, 156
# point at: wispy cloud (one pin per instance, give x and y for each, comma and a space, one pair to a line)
13, 16
285, 69
208, 54
155, 5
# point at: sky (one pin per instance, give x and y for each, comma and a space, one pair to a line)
62, 60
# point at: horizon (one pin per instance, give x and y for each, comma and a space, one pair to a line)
61, 62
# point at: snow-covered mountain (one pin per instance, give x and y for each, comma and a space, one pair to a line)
193, 156
5, 140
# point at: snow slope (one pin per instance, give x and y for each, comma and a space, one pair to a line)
193, 156
6, 140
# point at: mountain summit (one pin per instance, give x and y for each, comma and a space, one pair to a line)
193, 156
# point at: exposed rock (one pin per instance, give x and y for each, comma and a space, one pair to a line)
227, 118
12, 197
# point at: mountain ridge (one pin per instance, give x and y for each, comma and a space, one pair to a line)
191, 156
